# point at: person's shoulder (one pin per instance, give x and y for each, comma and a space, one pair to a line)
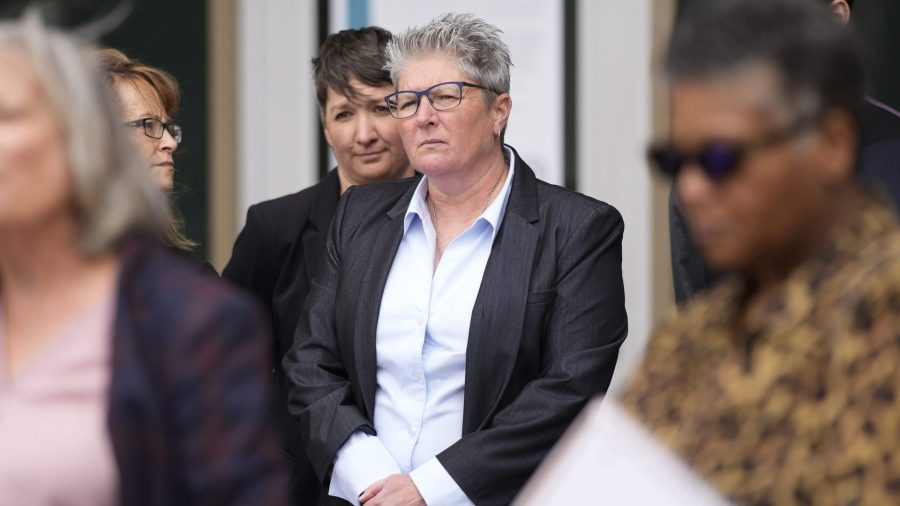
174, 296
374, 198
559, 203
201, 266
879, 168
569, 198
880, 123
873, 269
276, 223
861, 297
294, 205
383, 189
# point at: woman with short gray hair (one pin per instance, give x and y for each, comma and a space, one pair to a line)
125, 376
481, 307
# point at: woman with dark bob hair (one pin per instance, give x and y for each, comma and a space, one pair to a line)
125, 376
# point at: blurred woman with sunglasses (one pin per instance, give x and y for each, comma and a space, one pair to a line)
149, 99
780, 383
125, 376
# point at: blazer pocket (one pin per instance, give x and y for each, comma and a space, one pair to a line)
542, 297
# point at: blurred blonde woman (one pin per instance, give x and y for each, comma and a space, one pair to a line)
125, 376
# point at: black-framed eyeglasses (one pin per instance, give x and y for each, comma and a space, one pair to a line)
442, 96
719, 159
154, 128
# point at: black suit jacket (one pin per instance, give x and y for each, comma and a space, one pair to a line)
879, 169
275, 257
544, 336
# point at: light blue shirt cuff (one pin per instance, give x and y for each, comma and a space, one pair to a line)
436, 486
361, 461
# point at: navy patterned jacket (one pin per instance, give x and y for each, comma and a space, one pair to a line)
191, 383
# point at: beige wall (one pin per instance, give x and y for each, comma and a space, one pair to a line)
264, 123
619, 99
663, 292
222, 133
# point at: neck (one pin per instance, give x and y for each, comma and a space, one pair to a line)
344, 180
464, 193
45, 283
767, 276
43, 263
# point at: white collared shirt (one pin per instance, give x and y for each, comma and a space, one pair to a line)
421, 341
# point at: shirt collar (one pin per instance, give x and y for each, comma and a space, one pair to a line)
493, 215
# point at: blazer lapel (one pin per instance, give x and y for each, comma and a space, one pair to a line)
499, 311
323, 209
371, 289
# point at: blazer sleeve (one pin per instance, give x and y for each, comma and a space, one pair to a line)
585, 327
220, 384
250, 266
320, 397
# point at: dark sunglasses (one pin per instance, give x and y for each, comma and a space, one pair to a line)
720, 159
717, 159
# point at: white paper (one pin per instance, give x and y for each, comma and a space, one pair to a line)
606, 457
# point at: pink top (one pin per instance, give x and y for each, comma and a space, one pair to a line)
55, 447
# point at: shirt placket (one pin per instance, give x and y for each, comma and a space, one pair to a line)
416, 390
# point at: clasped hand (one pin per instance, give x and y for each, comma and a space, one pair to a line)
395, 490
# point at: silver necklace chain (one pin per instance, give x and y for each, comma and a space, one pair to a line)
437, 236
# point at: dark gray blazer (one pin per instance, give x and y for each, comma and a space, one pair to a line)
544, 337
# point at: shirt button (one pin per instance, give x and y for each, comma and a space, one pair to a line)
416, 376
412, 431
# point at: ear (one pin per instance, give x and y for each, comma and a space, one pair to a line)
841, 9
501, 109
837, 147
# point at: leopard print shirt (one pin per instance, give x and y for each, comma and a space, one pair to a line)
803, 409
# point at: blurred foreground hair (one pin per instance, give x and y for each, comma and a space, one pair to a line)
112, 192
816, 58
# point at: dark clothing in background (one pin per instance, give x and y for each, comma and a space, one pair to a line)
544, 337
879, 163
275, 257
190, 387
689, 273
879, 169
200, 266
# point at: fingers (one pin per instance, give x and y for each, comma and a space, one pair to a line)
391, 491
371, 491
